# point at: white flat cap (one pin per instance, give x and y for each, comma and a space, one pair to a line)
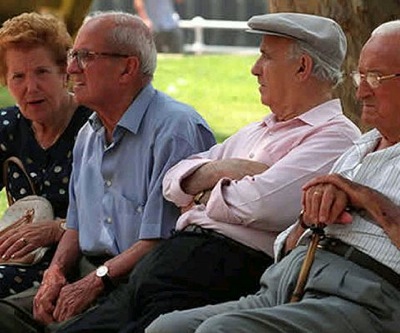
322, 34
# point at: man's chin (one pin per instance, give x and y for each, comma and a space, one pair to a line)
368, 119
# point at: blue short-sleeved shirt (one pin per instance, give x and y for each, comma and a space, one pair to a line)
115, 194
49, 169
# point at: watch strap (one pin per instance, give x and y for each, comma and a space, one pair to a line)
107, 282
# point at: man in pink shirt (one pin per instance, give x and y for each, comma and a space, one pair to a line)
240, 194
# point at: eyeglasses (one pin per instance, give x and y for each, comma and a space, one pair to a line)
373, 79
83, 57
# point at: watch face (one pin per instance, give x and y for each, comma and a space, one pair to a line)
102, 271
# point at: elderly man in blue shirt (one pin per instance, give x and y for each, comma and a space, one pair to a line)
117, 211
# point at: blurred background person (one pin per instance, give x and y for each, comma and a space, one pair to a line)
40, 130
163, 20
107, 5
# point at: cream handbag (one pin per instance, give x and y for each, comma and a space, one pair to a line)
30, 209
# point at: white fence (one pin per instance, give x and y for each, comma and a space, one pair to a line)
198, 24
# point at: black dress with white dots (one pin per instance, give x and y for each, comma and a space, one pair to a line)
49, 170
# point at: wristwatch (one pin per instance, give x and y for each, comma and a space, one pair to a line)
102, 273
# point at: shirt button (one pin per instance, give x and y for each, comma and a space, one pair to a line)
251, 155
109, 220
108, 183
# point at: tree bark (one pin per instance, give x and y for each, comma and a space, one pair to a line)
357, 18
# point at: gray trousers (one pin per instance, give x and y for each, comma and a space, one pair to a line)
340, 297
17, 316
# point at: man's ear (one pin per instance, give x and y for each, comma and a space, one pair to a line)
131, 68
305, 67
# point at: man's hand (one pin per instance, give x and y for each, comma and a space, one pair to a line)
46, 297
382, 210
77, 297
325, 200
355, 192
203, 200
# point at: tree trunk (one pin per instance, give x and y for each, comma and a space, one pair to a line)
357, 18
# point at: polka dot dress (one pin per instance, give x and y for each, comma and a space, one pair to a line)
49, 170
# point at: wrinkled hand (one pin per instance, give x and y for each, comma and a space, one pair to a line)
382, 209
203, 200
356, 193
77, 297
45, 300
324, 202
18, 242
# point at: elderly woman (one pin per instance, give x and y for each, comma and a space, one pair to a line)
40, 130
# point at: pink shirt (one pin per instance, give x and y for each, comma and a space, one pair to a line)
255, 209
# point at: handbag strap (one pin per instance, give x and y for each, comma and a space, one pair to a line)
18, 162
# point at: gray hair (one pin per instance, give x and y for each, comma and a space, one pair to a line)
322, 70
130, 35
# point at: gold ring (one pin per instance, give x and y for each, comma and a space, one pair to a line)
23, 240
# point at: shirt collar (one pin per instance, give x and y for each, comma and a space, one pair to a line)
316, 116
133, 116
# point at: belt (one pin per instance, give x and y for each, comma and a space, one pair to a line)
349, 252
196, 229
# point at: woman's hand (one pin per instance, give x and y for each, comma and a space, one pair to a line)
18, 242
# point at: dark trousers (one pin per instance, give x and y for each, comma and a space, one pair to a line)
185, 271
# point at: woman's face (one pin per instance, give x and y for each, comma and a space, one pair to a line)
36, 82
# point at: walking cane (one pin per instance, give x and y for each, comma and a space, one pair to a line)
317, 235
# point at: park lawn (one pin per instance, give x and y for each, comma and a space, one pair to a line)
220, 87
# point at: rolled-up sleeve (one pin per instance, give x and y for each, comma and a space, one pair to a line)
269, 201
172, 189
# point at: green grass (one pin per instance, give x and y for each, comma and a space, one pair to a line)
220, 87
5, 98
